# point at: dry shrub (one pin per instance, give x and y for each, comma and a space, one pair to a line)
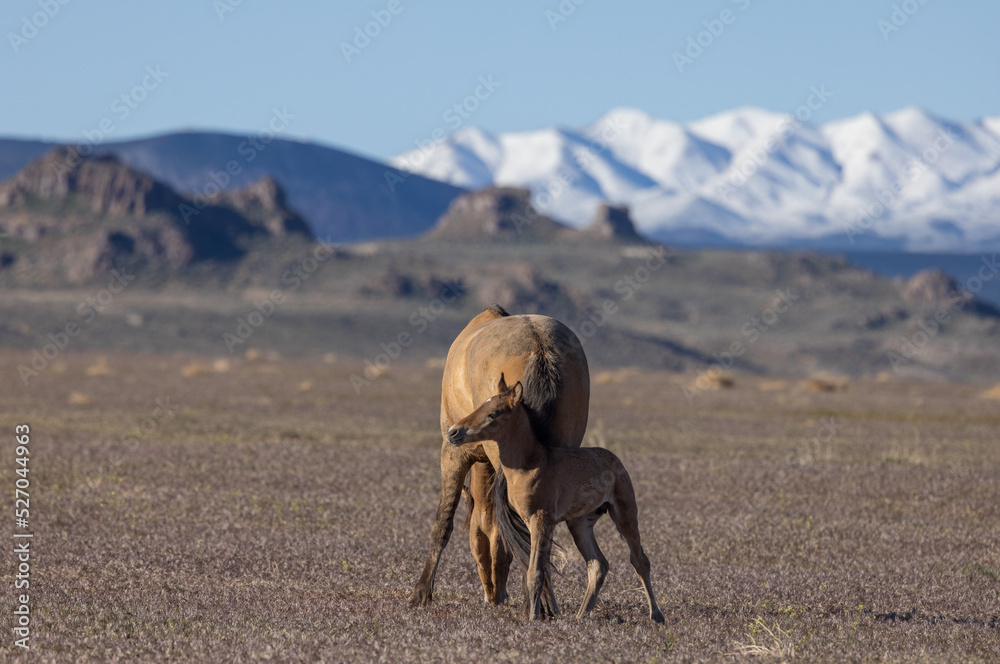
252, 354
596, 435
606, 378
614, 377
193, 370
329, 358
100, 368
79, 399
909, 455
713, 380
772, 385
993, 392
221, 365
305, 386
826, 382
435, 362
775, 642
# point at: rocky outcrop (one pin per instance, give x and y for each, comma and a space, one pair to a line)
264, 201
102, 184
506, 213
934, 287
392, 283
521, 287
85, 215
613, 222
928, 287
495, 213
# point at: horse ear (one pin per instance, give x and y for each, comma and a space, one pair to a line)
502, 385
516, 393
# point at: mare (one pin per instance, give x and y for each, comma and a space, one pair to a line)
546, 357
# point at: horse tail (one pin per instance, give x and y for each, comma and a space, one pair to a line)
470, 504
513, 531
542, 382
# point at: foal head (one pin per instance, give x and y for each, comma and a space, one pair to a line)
490, 418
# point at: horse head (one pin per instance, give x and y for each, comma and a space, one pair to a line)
490, 418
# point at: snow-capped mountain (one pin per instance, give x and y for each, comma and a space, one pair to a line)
903, 180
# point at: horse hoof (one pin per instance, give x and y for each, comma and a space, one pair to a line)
420, 597
657, 617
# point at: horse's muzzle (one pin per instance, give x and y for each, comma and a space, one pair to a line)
456, 435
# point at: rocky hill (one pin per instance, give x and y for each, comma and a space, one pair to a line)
71, 218
507, 214
504, 213
344, 197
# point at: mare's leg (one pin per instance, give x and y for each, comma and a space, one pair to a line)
625, 513
541, 548
492, 559
582, 530
454, 466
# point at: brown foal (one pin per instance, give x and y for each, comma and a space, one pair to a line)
546, 486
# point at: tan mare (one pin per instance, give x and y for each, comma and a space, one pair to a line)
546, 357
548, 486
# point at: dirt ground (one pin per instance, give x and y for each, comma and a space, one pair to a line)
193, 509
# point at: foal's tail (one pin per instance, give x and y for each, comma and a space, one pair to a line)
513, 531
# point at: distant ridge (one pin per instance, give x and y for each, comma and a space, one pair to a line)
343, 197
902, 181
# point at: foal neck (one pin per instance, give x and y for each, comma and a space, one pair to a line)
519, 448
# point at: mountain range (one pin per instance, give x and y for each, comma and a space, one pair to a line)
198, 266
902, 181
343, 197
906, 181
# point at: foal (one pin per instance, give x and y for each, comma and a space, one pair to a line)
546, 486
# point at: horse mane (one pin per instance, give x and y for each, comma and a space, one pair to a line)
496, 309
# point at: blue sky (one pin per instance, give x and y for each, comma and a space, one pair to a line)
226, 66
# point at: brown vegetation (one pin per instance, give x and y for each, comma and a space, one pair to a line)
826, 382
253, 521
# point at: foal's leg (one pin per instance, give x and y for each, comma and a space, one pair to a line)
541, 548
582, 530
625, 514
549, 608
